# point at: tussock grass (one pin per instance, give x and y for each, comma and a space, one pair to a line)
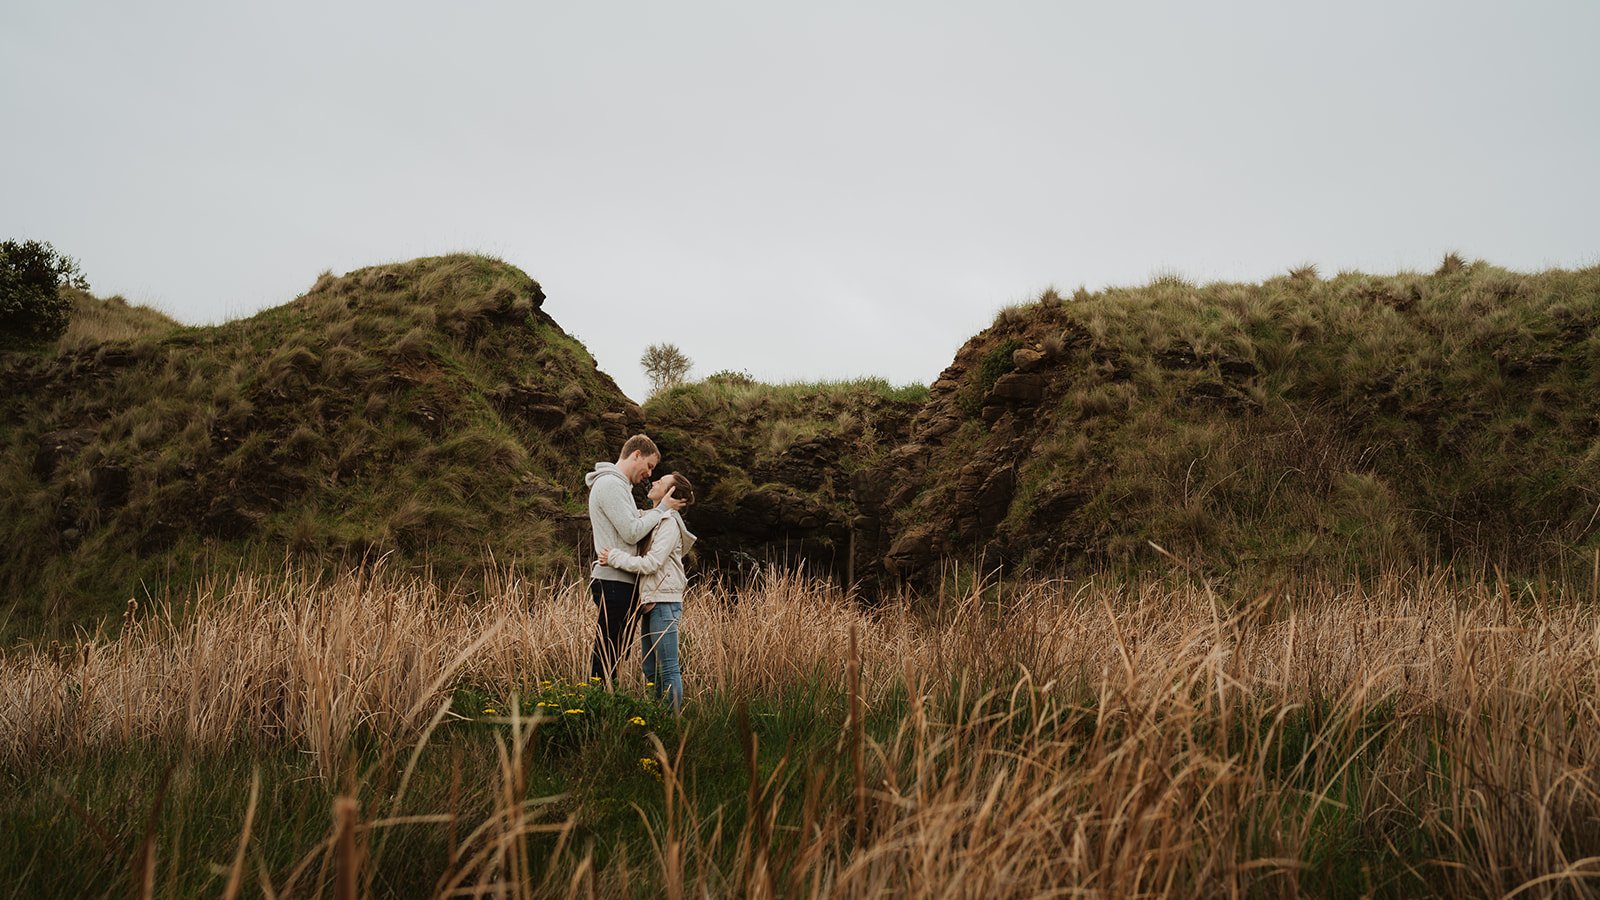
1411, 735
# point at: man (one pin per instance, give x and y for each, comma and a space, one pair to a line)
619, 524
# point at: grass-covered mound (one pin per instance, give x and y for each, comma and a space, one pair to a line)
1302, 421
779, 469
429, 409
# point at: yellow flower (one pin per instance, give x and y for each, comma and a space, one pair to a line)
594, 677
649, 684
544, 684
637, 720
489, 710
574, 712
550, 705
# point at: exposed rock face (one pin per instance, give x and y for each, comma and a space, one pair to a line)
1026, 359
619, 425
914, 552
1017, 388
805, 464
541, 408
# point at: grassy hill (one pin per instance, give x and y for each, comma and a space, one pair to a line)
1330, 422
429, 410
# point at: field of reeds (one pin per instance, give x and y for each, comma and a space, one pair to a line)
369, 735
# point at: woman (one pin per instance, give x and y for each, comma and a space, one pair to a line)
661, 584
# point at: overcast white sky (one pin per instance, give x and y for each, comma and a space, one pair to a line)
802, 190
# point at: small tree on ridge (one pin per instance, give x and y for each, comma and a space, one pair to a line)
666, 366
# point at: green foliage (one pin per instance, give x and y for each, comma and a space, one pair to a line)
32, 305
575, 716
996, 362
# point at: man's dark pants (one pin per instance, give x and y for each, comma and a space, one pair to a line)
618, 610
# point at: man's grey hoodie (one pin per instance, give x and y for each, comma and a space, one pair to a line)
617, 521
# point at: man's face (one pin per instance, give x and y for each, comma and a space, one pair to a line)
642, 466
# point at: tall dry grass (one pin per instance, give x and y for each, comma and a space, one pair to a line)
1050, 738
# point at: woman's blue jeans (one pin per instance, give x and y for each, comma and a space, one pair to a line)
658, 640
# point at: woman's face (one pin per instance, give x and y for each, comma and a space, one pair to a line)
659, 488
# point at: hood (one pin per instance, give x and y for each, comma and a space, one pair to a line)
602, 469
688, 536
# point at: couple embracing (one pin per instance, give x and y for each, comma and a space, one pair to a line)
639, 577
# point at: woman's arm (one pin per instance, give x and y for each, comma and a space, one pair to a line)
662, 544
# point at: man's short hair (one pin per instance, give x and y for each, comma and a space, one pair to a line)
639, 443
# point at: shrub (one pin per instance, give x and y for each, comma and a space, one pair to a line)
31, 303
730, 376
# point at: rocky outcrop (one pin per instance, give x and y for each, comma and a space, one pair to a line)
956, 488
814, 499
